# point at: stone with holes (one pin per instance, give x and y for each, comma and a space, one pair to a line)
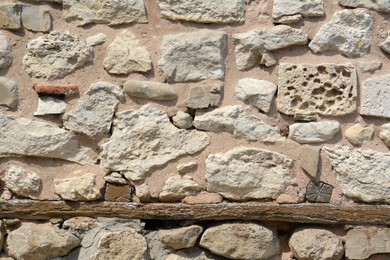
319, 192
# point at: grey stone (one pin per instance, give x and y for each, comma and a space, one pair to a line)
370, 66
319, 192
115, 178
194, 253
361, 243
385, 46
178, 52
2, 235
241, 241
94, 113
204, 11
204, 95
177, 188
22, 182
126, 55
349, 33
8, 94
55, 56
80, 188
186, 167
182, 120
5, 52
179, 238
244, 173
384, 134
36, 18
359, 134
79, 226
10, 16
81, 12
96, 39
288, 19
149, 90
255, 47
374, 94
285, 10
313, 132
377, 5
50, 105
157, 249
309, 160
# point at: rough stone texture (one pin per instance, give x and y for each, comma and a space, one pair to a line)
203, 198
285, 11
145, 139
257, 93
325, 89
115, 178
178, 52
374, 94
316, 243
255, 47
349, 33
149, 90
204, 95
66, 90
8, 94
361, 243
126, 55
81, 188
309, 160
204, 11
96, 39
5, 52
39, 241
241, 241
182, 120
377, 5
81, 12
385, 46
194, 253
22, 182
118, 193
362, 174
10, 16
180, 238
56, 55
313, 132
177, 188
49, 105
142, 192
319, 192
245, 173
36, 18
384, 134
80, 225
21, 136
186, 167
359, 134
370, 66
94, 112
157, 249
1, 235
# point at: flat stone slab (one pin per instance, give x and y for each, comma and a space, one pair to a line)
374, 97
380, 6
48, 105
36, 18
285, 11
313, 132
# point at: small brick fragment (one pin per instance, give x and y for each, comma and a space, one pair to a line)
56, 90
118, 193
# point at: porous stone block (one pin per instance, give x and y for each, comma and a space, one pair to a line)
374, 96
285, 11
23, 182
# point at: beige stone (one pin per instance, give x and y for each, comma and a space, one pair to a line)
10, 16
149, 90
374, 94
359, 134
309, 159
182, 120
370, 66
180, 238
381, 5
285, 10
385, 46
186, 167
194, 253
8, 94
361, 243
23, 182
96, 39
177, 188
50, 105
5, 52
36, 18
81, 188
384, 134
142, 192
313, 132
204, 95
203, 197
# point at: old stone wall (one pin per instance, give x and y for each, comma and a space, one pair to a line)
194, 102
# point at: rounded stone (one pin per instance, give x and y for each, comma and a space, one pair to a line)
149, 90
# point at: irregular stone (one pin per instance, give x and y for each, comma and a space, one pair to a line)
384, 134
380, 6
283, 10
313, 132
82, 12
180, 238
309, 159
370, 66
142, 192
39, 241
80, 225
204, 11
361, 243
126, 55
5, 52
319, 192
288, 19
36, 18
385, 46
177, 188
11, 222
56, 90
194, 253
22, 183
81, 188
10, 16
56, 55
244, 173
349, 33
186, 167
241, 241
48, 105
8, 93
115, 178
149, 90
362, 174
325, 89
204, 95
316, 243
96, 39
157, 249
94, 112
118, 193
359, 134
24, 137
182, 120
255, 47
144, 139
178, 52
257, 93
374, 94
203, 198
1, 235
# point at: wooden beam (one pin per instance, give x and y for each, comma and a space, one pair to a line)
300, 213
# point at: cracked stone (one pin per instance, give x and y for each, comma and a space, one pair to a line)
204, 95
8, 94
285, 11
374, 94
319, 192
313, 132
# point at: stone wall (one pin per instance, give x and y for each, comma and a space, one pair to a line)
194, 102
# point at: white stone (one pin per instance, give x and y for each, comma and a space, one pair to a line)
81, 188
50, 105
179, 238
204, 95
149, 90
245, 173
36, 18
370, 66
377, 5
384, 134
8, 94
10, 16
177, 188
374, 96
22, 183
5, 52
186, 167
361, 243
284, 9
313, 132
182, 120
359, 134
96, 39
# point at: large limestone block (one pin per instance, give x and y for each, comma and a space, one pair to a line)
245, 173
22, 182
10, 16
193, 56
349, 33
55, 55
325, 89
374, 97
80, 188
286, 11
241, 241
362, 174
149, 90
36, 18
204, 95
144, 139
8, 94
204, 11
24, 137
180, 238
5, 52
255, 47
361, 243
313, 132
81, 12
377, 5
177, 188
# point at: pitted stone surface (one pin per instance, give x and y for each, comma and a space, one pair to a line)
149, 90
361, 243
319, 192
177, 188
325, 89
359, 134
8, 94
313, 132
81, 188
285, 11
385, 46
22, 182
10, 16
204, 95
374, 97
48, 105
36, 18
5, 52
245, 173
180, 238
377, 5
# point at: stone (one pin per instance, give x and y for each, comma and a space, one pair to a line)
203, 198
313, 132
370, 66
316, 243
318, 192
66, 90
204, 96
5, 52
48, 105
380, 6
157, 249
178, 52
24, 137
385, 46
257, 93
309, 159
118, 193
194, 253
349, 33
204, 11
8, 94
384, 134
361, 243
142, 192
115, 178
95, 110
374, 94
283, 10
241, 241
245, 173
145, 139
186, 167
82, 12
11, 222
177, 188
1, 235
149, 90
80, 225
180, 238
36, 18
182, 120
22, 182
255, 47
56, 55
39, 241
362, 174
126, 55
10, 16
80, 188
325, 89
358, 134
96, 39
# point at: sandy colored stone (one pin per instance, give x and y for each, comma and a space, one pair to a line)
117, 193
56, 90
10, 16
23, 182
2, 233
361, 243
204, 95
186, 167
177, 188
80, 225
96, 39
115, 178
313, 132
49, 105
285, 11
194, 253
309, 159
318, 192
385, 46
81, 188
182, 120
203, 198
36, 18
149, 90
359, 134
384, 134
142, 192
8, 94
377, 5
5, 52
370, 66
180, 238
374, 94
